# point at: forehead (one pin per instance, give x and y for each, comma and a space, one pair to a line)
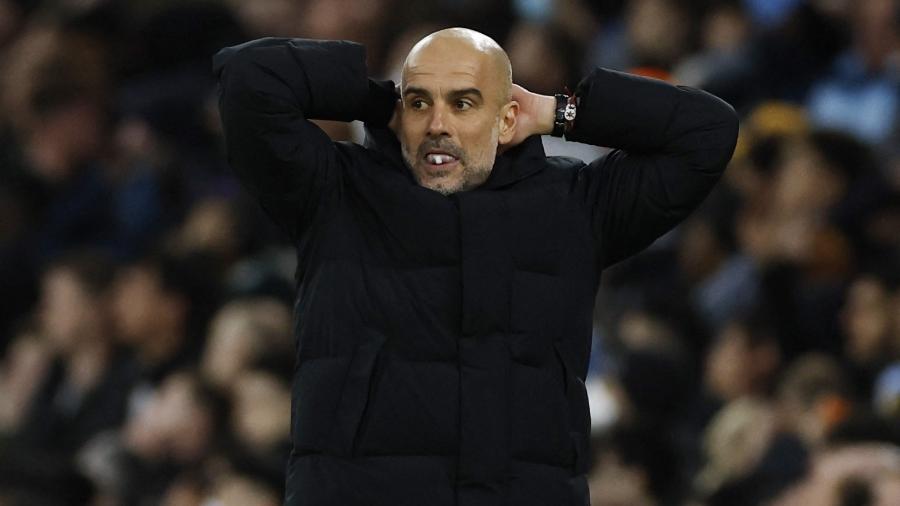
447, 64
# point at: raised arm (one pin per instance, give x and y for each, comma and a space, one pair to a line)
672, 145
269, 89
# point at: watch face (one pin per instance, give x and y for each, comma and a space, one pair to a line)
570, 112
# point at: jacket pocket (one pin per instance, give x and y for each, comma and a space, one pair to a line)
578, 411
315, 396
359, 384
329, 398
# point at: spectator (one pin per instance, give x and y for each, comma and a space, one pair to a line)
151, 310
861, 95
53, 190
858, 474
261, 422
179, 428
871, 343
814, 396
742, 361
84, 391
245, 334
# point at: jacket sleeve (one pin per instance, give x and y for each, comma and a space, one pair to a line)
269, 89
671, 145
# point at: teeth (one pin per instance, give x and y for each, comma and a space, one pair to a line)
438, 159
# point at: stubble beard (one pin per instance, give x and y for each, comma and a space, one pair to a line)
472, 176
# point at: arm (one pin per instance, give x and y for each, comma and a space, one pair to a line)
269, 89
672, 145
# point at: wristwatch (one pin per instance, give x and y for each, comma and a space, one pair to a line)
566, 108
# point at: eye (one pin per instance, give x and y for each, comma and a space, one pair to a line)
463, 104
417, 103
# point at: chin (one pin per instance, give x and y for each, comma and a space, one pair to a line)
444, 182
443, 186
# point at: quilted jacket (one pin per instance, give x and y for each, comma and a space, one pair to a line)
442, 341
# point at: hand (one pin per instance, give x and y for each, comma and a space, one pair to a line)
536, 113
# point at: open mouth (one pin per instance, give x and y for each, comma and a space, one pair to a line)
440, 160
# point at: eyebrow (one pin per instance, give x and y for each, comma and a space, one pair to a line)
412, 90
466, 91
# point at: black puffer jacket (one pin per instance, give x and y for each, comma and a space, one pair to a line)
442, 341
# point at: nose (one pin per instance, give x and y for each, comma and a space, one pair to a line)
436, 124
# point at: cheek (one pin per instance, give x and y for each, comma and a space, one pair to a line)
481, 143
410, 131
409, 141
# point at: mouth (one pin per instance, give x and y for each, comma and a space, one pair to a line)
440, 160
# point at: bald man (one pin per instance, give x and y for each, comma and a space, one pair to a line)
474, 101
446, 270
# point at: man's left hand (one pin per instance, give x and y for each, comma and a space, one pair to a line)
536, 114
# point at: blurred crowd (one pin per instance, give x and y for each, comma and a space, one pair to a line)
749, 357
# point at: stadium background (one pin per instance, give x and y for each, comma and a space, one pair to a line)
751, 356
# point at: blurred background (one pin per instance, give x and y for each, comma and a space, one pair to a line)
751, 356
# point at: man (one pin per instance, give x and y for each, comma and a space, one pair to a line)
445, 291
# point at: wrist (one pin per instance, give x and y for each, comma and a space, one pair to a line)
546, 114
566, 110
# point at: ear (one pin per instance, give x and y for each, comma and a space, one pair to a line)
509, 114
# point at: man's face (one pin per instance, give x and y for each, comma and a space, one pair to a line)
68, 311
453, 104
137, 304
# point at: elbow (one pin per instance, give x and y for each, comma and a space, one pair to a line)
235, 60
227, 58
706, 129
730, 130
231, 62
722, 134
730, 124
220, 61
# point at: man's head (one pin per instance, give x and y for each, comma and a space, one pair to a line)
456, 109
75, 290
152, 302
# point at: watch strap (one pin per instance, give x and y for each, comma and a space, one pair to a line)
566, 110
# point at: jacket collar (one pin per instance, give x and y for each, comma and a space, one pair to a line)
513, 165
